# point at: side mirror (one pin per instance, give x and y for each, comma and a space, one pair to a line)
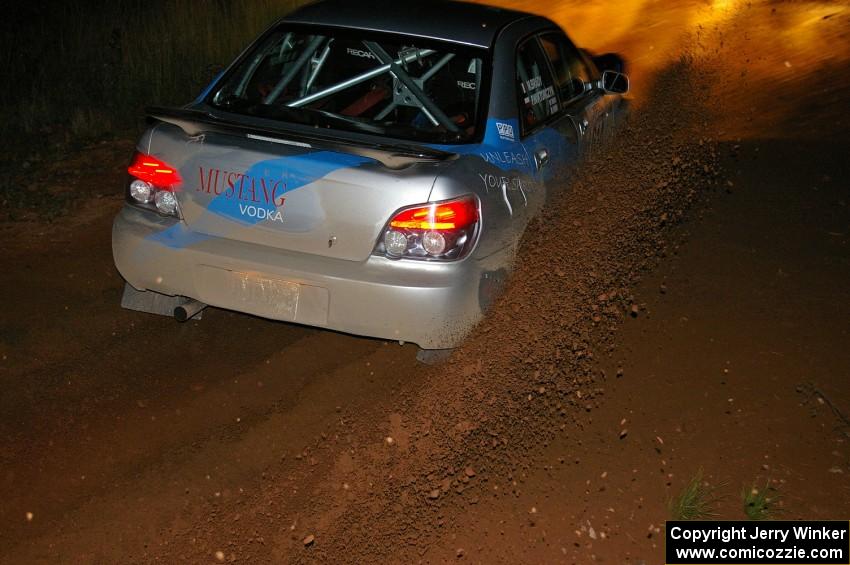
614, 83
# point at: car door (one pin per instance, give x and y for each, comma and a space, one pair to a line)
576, 82
542, 122
552, 132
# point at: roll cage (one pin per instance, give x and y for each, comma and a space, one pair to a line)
409, 88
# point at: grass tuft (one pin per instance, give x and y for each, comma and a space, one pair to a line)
760, 504
697, 501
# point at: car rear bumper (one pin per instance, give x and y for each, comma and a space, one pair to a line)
431, 304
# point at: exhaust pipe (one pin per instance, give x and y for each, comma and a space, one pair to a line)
186, 311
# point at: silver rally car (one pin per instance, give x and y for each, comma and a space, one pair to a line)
364, 170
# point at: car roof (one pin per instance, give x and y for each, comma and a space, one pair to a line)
459, 22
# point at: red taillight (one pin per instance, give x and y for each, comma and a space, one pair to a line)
150, 169
457, 214
437, 231
153, 184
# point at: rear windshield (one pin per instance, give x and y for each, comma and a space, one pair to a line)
403, 88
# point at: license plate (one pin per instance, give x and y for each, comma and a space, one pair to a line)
265, 296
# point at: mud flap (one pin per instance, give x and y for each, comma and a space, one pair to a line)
153, 302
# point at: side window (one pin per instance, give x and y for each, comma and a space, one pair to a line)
570, 71
536, 94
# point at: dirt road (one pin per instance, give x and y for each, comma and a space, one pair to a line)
131, 438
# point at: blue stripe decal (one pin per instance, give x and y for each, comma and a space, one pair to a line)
297, 170
502, 149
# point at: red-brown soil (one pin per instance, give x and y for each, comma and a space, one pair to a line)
683, 305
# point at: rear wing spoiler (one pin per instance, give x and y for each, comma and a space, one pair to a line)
198, 122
